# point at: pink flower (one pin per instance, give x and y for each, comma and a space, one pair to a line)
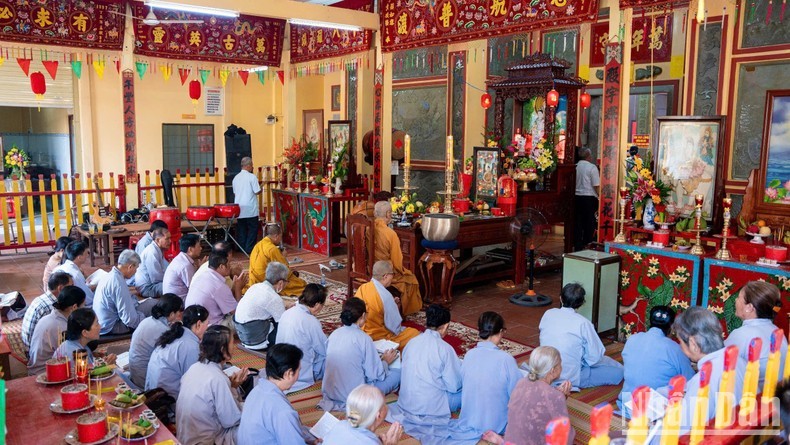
787, 185
771, 193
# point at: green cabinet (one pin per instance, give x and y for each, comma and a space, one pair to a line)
598, 273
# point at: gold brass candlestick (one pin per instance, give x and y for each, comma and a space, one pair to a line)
723, 253
697, 248
407, 177
448, 191
620, 238
307, 177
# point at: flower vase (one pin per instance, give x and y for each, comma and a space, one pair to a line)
338, 186
648, 216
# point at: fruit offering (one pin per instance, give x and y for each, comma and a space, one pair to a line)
137, 430
127, 399
101, 371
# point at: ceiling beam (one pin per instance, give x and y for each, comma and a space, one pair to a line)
288, 9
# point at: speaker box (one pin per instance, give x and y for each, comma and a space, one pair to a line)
236, 148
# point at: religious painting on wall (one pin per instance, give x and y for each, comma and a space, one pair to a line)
335, 97
422, 113
486, 173
775, 169
689, 158
533, 122
313, 128
340, 146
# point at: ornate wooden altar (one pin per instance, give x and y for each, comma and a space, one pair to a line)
534, 77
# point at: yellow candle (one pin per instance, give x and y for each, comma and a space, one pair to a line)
748, 400
407, 150
772, 367
726, 398
672, 416
450, 153
638, 427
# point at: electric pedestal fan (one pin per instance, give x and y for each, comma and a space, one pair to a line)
531, 228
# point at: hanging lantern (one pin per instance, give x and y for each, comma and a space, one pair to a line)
585, 99
38, 84
552, 98
485, 101
194, 91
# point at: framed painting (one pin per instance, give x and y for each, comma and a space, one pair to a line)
773, 190
486, 173
340, 145
313, 128
335, 91
689, 157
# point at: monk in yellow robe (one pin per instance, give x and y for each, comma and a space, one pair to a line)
383, 319
266, 251
388, 248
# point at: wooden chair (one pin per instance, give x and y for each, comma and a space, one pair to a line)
361, 250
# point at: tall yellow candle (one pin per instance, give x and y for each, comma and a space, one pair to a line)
772, 367
750, 380
700, 415
639, 426
407, 151
450, 153
725, 400
672, 416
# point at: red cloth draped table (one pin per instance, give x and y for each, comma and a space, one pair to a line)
322, 221
286, 213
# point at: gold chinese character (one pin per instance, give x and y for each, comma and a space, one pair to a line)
320, 36
559, 3
655, 38
5, 13
603, 40
304, 40
42, 18
447, 14
229, 42
260, 45
402, 23
195, 38
498, 8
638, 39
159, 34
80, 22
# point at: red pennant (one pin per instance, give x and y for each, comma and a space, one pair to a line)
244, 75
118, 66
281, 75
25, 65
183, 73
51, 67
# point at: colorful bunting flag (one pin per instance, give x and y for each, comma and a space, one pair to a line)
261, 77
166, 70
98, 66
281, 75
244, 75
141, 68
2, 60
183, 73
118, 66
24, 64
204, 75
51, 66
76, 68
223, 76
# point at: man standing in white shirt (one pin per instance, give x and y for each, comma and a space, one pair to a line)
588, 182
246, 189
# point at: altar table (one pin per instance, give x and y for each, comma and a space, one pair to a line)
322, 221
30, 421
286, 213
474, 231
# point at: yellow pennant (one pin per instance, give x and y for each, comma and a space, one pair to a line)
166, 70
223, 76
99, 66
2, 59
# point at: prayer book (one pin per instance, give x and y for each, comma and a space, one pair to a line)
383, 346
122, 360
95, 277
324, 425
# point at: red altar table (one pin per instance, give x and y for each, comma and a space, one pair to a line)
286, 212
322, 221
724, 279
30, 421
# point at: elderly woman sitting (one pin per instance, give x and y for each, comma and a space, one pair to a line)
261, 307
365, 412
699, 334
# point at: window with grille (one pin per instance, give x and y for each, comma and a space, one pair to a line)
188, 146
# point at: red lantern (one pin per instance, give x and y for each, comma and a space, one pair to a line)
38, 84
585, 99
194, 91
485, 101
552, 98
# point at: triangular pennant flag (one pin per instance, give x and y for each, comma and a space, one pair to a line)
2, 60
261, 77
118, 66
223, 76
281, 75
98, 66
76, 68
244, 75
24, 64
141, 67
183, 73
166, 70
51, 67
204, 75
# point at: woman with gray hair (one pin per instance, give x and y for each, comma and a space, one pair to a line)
118, 311
534, 402
365, 412
700, 336
261, 307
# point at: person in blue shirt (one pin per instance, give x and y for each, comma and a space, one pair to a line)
489, 376
651, 358
757, 304
167, 310
82, 328
365, 412
268, 416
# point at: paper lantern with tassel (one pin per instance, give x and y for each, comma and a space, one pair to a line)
485, 101
552, 98
194, 91
39, 85
585, 99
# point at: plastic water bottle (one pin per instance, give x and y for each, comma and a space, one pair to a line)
323, 278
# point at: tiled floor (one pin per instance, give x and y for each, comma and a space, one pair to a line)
23, 273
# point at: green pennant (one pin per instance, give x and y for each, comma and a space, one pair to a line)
141, 67
262, 77
76, 67
204, 75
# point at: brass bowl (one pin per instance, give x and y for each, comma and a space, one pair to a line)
440, 226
